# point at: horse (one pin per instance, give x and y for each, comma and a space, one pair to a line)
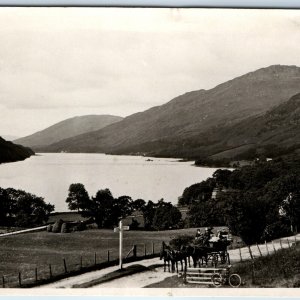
197, 253
174, 256
165, 254
178, 256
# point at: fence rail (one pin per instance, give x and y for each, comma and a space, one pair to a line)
52, 272
267, 248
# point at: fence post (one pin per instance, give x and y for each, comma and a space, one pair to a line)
295, 240
3, 281
95, 259
80, 262
288, 243
153, 249
36, 274
280, 243
145, 250
250, 252
50, 270
134, 251
108, 255
20, 279
274, 247
65, 266
267, 247
241, 259
259, 250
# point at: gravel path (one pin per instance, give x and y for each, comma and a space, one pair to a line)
145, 278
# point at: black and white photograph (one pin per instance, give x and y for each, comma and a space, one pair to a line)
149, 148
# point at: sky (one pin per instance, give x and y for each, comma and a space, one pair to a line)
57, 63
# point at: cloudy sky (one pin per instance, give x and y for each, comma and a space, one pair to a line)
57, 63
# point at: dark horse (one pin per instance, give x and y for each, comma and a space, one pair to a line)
172, 256
199, 254
165, 254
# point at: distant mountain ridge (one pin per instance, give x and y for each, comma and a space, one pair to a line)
188, 125
66, 129
10, 152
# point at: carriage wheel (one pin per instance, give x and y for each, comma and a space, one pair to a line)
235, 280
217, 279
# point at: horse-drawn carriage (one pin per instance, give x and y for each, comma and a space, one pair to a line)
203, 249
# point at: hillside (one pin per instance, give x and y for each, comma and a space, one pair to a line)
184, 126
66, 129
274, 133
10, 152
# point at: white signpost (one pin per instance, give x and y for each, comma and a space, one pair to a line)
120, 229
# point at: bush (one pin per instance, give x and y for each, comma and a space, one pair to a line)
181, 240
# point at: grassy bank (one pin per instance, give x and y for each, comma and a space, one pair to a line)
281, 269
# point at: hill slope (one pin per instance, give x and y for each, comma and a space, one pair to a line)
273, 133
10, 152
66, 129
181, 127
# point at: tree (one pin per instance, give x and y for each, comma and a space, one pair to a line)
221, 177
148, 213
101, 209
28, 210
198, 192
122, 208
246, 215
139, 204
283, 194
78, 197
208, 213
5, 207
166, 216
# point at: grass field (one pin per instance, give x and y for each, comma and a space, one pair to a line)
26, 252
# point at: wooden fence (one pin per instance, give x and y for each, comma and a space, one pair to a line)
52, 272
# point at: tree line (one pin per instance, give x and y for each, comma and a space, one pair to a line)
256, 202
21, 209
106, 211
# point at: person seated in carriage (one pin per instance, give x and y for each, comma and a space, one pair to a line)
198, 234
207, 236
198, 237
222, 234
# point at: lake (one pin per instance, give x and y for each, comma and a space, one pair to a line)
49, 175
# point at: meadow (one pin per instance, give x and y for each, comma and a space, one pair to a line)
32, 253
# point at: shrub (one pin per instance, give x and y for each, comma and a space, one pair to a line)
181, 240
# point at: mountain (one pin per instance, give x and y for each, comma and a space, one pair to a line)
66, 129
187, 125
10, 152
274, 133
